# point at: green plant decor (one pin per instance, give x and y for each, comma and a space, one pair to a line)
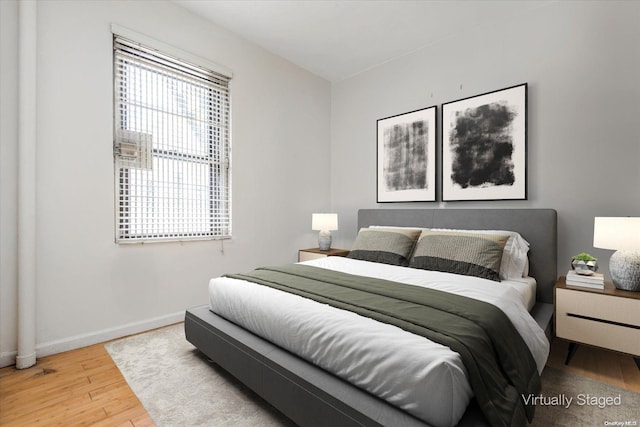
584, 257
584, 264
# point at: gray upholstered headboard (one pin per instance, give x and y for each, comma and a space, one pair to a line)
537, 226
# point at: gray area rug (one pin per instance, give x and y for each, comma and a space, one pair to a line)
179, 387
574, 400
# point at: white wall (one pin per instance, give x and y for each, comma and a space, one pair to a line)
582, 63
89, 288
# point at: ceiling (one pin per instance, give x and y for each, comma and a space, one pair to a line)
339, 39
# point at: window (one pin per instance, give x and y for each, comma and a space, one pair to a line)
171, 147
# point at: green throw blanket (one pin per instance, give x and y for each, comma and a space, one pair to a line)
500, 366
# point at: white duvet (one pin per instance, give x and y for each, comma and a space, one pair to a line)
419, 376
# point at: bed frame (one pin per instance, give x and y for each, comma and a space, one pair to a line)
311, 396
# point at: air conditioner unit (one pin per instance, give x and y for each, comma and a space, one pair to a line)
134, 149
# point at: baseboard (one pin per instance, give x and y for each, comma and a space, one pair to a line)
8, 358
83, 340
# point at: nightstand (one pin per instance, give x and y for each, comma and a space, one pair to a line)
314, 253
607, 318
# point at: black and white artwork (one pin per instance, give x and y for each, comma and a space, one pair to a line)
484, 146
406, 157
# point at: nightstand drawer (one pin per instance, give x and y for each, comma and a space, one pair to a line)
598, 319
308, 256
601, 306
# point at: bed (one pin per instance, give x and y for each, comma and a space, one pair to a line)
310, 395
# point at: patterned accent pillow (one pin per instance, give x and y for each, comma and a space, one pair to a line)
385, 245
470, 254
515, 261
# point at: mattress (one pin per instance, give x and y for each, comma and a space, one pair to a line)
424, 378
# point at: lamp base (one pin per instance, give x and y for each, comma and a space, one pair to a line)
324, 240
624, 267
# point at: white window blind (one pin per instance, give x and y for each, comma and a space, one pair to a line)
171, 147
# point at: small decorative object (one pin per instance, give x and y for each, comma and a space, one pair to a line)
484, 146
584, 264
324, 222
622, 234
407, 157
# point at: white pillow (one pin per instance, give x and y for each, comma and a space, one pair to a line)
514, 256
398, 227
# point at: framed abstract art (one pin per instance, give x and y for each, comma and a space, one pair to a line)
484, 146
406, 160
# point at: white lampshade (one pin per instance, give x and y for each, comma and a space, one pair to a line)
620, 233
324, 221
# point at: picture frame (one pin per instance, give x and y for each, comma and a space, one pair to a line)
484, 146
406, 157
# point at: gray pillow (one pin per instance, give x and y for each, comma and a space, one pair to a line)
470, 254
385, 245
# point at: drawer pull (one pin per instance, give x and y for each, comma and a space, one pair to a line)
610, 322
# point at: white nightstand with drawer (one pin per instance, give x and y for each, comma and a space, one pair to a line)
314, 253
607, 318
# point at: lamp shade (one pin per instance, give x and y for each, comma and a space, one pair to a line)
324, 221
620, 233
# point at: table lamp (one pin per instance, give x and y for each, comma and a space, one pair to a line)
623, 235
324, 222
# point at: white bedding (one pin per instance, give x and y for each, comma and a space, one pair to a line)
424, 378
526, 288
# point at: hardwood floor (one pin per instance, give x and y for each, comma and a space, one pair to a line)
598, 364
84, 387
81, 387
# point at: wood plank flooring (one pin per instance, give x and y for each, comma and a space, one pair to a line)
606, 366
81, 388
85, 388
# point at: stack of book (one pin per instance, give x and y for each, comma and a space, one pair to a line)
595, 281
